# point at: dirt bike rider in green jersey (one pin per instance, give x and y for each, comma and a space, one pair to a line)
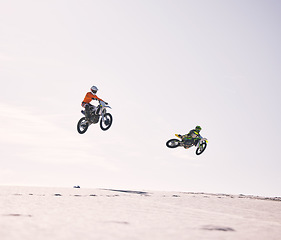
192, 137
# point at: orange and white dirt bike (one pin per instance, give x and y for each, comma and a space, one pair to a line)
98, 114
199, 143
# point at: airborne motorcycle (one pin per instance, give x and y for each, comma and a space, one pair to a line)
200, 143
98, 114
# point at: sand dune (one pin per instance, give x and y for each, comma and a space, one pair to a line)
62, 213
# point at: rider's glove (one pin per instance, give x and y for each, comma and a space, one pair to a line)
106, 103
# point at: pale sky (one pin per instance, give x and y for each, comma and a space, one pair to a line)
164, 67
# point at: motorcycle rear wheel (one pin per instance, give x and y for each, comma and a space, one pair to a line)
173, 143
82, 125
201, 148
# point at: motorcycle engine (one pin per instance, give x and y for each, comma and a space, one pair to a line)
95, 118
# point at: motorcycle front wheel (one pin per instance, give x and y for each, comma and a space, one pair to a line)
106, 124
173, 143
82, 125
201, 148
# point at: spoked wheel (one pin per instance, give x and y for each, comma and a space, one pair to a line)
82, 125
201, 148
106, 124
173, 143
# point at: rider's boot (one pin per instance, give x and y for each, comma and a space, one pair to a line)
87, 116
87, 113
186, 143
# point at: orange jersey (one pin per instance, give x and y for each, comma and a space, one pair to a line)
89, 97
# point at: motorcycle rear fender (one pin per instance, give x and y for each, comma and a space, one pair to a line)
177, 136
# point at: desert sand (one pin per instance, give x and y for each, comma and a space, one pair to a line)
78, 213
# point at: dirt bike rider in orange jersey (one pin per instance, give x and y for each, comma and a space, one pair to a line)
192, 137
88, 98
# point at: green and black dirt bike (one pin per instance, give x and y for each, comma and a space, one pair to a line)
200, 144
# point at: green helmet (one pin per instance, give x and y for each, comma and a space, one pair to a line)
198, 128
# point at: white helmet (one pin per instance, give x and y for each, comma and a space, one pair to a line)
94, 90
